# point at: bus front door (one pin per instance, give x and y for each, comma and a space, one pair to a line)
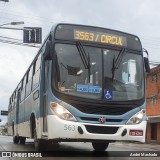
45, 96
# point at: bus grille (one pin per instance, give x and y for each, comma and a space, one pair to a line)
97, 119
103, 109
101, 129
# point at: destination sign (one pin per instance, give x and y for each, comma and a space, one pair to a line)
99, 37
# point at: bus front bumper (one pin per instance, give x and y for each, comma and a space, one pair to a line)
69, 131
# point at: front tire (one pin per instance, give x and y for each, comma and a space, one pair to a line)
37, 142
100, 146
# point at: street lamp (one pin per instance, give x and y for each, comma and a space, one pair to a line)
12, 23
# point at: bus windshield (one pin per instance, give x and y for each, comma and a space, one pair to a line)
99, 73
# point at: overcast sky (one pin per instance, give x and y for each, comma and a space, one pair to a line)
139, 17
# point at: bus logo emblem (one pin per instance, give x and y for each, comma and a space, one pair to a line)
102, 119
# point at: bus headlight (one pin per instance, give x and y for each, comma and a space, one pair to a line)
137, 118
61, 112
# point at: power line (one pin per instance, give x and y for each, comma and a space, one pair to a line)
10, 38
18, 43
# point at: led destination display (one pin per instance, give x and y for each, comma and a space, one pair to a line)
99, 37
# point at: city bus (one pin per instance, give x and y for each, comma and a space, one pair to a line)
86, 84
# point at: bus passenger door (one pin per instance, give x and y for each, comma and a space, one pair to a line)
45, 95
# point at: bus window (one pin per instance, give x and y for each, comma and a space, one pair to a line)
30, 73
38, 62
19, 85
9, 107
11, 102
24, 83
14, 99
36, 72
27, 78
23, 89
29, 83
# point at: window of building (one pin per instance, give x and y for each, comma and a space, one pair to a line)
153, 100
154, 78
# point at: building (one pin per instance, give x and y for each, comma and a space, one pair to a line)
153, 105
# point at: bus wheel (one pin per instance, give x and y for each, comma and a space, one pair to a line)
37, 142
100, 146
22, 140
15, 139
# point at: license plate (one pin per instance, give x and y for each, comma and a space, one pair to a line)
136, 132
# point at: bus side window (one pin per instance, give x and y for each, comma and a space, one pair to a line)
36, 72
14, 99
9, 106
19, 88
29, 81
23, 89
12, 103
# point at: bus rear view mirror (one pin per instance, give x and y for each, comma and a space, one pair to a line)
47, 53
146, 64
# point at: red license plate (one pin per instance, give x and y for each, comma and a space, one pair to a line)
136, 132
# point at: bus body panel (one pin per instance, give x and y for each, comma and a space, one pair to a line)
65, 130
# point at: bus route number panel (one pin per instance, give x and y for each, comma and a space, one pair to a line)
100, 37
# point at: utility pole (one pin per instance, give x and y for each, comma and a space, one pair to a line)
5, 0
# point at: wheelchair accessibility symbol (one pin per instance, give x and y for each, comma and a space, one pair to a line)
108, 95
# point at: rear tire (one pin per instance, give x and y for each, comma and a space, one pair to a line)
38, 143
100, 146
15, 139
22, 140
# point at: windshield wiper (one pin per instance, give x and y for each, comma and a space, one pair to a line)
83, 55
85, 59
117, 62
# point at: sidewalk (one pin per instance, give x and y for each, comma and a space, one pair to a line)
144, 146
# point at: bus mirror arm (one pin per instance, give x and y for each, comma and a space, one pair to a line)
47, 53
146, 61
146, 64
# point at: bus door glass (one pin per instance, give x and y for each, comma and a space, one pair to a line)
45, 95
